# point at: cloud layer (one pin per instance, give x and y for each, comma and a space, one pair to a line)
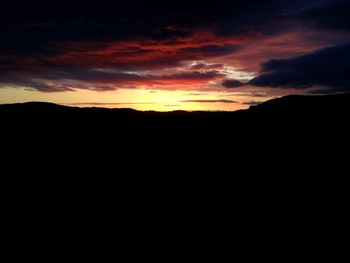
64, 46
327, 70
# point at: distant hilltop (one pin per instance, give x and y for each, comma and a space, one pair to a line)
292, 130
277, 117
287, 104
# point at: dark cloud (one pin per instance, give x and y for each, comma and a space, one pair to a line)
328, 67
42, 86
38, 23
213, 50
47, 44
211, 101
129, 55
93, 76
100, 80
232, 83
323, 91
324, 71
116, 77
251, 103
333, 15
267, 17
209, 75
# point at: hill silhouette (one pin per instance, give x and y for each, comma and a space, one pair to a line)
290, 109
291, 112
292, 119
291, 138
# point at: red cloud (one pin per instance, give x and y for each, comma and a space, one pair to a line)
146, 53
119, 64
197, 61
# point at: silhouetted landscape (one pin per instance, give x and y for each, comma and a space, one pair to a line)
283, 142
283, 117
192, 55
176, 163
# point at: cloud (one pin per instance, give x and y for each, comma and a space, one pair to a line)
333, 15
196, 94
324, 71
92, 79
232, 83
323, 91
132, 54
202, 66
178, 45
171, 105
113, 64
212, 50
251, 103
36, 84
100, 76
210, 101
65, 22
71, 20
327, 67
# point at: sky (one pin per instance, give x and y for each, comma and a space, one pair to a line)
172, 55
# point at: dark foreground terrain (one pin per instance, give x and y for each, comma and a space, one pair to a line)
306, 124
286, 155
281, 117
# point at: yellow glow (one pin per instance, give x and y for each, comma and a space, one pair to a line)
139, 99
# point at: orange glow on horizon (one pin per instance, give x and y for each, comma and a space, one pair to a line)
139, 99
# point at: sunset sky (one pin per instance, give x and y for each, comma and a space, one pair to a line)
172, 55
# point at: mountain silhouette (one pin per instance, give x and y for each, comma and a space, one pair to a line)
292, 138
297, 112
289, 121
